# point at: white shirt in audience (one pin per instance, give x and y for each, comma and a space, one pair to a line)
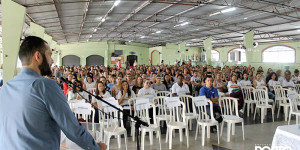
73, 96
280, 79
90, 85
125, 101
147, 93
260, 83
180, 90
272, 83
106, 95
294, 79
286, 83
244, 83
230, 89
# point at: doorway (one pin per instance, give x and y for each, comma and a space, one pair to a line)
131, 59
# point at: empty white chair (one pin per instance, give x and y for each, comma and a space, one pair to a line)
262, 103
283, 102
189, 114
230, 115
163, 93
142, 111
177, 121
204, 120
162, 114
248, 100
114, 126
294, 102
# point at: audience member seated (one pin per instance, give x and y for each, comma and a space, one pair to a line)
77, 93
168, 82
100, 91
138, 84
112, 81
245, 81
295, 77
158, 86
234, 89
90, 82
258, 81
271, 83
116, 88
196, 81
220, 85
287, 82
180, 88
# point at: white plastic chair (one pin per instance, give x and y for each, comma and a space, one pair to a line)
163, 93
143, 113
294, 103
176, 121
266, 96
277, 94
283, 102
91, 90
113, 128
262, 104
189, 114
162, 114
248, 100
297, 88
204, 120
87, 112
230, 115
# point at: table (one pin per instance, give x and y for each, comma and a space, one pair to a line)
287, 137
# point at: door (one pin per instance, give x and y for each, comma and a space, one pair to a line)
131, 59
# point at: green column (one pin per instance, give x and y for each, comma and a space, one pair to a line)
248, 43
208, 46
37, 30
48, 39
13, 17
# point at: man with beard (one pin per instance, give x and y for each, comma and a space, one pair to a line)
33, 109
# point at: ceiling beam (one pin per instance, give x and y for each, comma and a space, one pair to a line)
83, 18
59, 17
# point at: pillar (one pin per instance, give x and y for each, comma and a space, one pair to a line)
13, 18
248, 43
208, 46
37, 30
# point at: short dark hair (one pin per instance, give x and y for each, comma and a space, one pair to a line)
208, 76
180, 75
29, 46
296, 71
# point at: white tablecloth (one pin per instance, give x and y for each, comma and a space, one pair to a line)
287, 137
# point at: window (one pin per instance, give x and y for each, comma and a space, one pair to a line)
237, 55
281, 54
215, 55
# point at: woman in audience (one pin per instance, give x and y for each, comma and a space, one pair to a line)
77, 93
112, 82
245, 81
138, 84
196, 81
100, 91
219, 84
90, 83
273, 82
234, 89
158, 86
168, 82
123, 96
258, 82
116, 88
280, 78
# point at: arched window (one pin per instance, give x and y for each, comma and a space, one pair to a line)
237, 55
281, 54
215, 55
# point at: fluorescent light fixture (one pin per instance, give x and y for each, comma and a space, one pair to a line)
228, 10
298, 30
158, 32
142, 37
129, 41
87, 40
117, 2
215, 13
103, 20
95, 29
245, 18
185, 23
91, 36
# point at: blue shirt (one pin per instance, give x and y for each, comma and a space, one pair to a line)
208, 93
33, 111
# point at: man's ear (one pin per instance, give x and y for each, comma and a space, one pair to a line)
37, 57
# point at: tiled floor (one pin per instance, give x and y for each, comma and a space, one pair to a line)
255, 133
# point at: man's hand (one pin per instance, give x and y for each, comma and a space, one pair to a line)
102, 146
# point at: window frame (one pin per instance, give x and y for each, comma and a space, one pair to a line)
262, 56
217, 52
236, 48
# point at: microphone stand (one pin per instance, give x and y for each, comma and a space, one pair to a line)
138, 121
